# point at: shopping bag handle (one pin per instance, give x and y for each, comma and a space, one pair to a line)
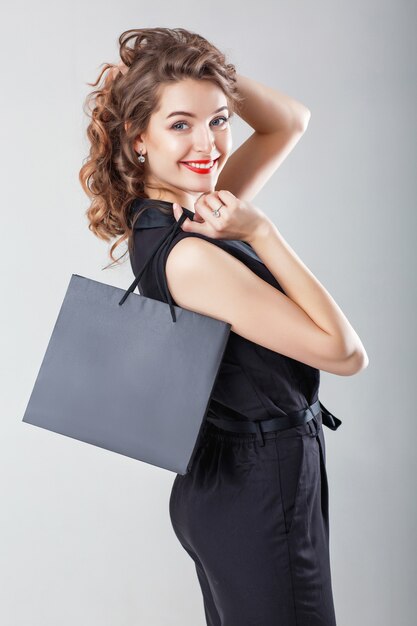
163, 243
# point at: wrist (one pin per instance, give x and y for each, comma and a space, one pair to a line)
261, 231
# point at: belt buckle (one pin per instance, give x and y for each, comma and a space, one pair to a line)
259, 433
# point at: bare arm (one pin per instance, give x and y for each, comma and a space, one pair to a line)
279, 121
304, 323
255, 309
268, 110
303, 288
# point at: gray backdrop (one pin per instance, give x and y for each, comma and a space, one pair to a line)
85, 534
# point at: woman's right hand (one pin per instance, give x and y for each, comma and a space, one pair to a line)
239, 220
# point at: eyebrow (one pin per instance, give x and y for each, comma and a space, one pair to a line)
192, 114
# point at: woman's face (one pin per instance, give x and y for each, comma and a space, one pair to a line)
200, 132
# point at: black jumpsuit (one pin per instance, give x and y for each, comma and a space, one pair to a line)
252, 514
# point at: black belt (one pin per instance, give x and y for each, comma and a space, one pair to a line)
278, 423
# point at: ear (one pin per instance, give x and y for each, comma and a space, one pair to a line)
137, 145
127, 125
138, 141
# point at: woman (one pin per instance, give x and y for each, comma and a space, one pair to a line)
253, 511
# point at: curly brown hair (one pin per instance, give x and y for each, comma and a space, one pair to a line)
120, 109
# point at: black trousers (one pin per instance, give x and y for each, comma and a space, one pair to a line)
255, 521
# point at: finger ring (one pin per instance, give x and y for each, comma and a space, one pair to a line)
216, 212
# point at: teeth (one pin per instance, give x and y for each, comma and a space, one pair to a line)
203, 166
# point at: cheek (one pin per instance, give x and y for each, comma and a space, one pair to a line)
168, 142
225, 142
176, 146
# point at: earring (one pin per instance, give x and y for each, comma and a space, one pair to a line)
141, 158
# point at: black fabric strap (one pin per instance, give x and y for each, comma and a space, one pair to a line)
165, 241
328, 419
277, 423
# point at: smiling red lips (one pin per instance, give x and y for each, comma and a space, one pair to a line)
200, 170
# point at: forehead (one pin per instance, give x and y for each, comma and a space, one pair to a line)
200, 97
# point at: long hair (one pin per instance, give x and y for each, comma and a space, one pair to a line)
120, 109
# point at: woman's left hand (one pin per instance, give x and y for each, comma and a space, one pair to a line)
238, 219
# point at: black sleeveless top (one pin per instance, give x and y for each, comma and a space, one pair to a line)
254, 382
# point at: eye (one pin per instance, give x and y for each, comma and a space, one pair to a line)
221, 118
226, 119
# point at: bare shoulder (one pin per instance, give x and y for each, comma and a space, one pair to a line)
193, 252
199, 273
205, 278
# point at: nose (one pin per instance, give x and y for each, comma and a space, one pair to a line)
204, 141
